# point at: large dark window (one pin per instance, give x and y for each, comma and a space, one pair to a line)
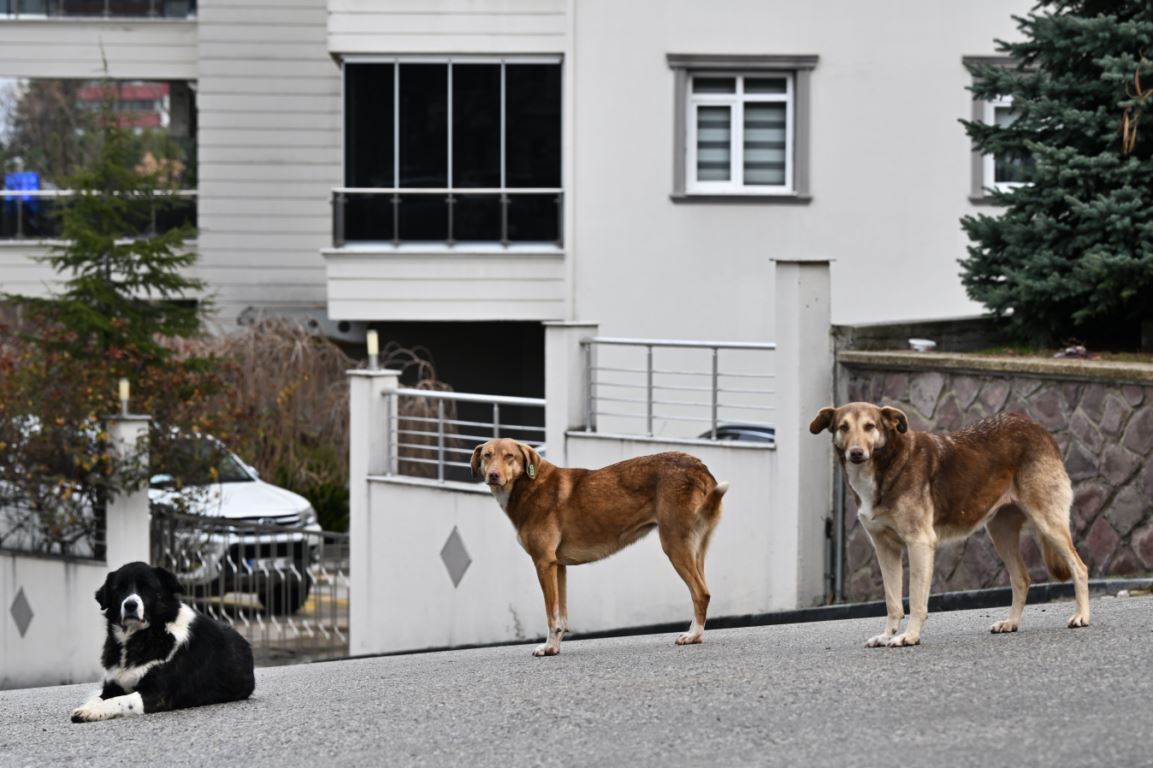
451, 152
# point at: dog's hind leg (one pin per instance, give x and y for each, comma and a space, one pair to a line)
683, 551
1046, 496
562, 599
1005, 530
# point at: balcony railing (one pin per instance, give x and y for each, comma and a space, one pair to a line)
33, 214
101, 9
689, 390
447, 215
435, 432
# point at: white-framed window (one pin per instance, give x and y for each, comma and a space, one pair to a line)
740, 133
741, 127
1003, 170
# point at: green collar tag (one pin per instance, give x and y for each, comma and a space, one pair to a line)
531, 472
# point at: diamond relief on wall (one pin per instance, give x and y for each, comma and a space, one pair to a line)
21, 612
455, 557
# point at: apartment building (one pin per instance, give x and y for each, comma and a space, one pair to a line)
456, 172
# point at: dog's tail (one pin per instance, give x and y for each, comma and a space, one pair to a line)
711, 506
1054, 562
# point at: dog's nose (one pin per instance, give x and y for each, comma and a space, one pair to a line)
493, 478
856, 455
130, 606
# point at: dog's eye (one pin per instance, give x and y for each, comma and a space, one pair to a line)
870, 427
844, 427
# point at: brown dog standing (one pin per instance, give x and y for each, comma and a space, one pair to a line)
914, 489
568, 517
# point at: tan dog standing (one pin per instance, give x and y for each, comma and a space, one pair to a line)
915, 489
568, 517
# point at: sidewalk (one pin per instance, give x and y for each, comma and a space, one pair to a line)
797, 694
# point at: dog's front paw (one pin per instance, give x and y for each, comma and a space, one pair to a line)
690, 638
878, 641
87, 714
544, 649
1001, 627
1078, 620
903, 640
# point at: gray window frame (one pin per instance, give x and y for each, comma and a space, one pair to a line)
799, 66
979, 181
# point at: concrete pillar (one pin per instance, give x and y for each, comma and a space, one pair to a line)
565, 384
128, 521
372, 417
804, 386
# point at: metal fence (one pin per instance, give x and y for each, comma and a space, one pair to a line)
281, 585
679, 388
172, 9
447, 215
35, 214
435, 433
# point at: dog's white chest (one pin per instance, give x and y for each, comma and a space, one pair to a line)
863, 481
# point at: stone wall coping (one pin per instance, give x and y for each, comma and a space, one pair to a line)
1062, 368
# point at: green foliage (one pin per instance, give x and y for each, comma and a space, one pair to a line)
126, 296
1072, 251
126, 287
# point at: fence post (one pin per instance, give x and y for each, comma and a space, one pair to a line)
565, 384
127, 521
804, 385
369, 453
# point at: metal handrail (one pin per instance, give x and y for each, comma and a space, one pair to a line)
646, 379
341, 196
629, 342
438, 442
157, 9
448, 190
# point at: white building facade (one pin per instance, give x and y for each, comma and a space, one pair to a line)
638, 165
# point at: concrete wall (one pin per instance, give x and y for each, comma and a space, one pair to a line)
63, 640
768, 552
889, 176
413, 603
1100, 414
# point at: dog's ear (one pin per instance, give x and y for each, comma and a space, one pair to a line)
823, 421
532, 460
895, 418
102, 593
169, 581
474, 465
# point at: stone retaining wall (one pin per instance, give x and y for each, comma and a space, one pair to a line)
1100, 414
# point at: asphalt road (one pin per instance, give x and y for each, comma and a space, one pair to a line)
795, 695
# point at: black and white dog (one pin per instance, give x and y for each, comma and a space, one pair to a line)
160, 654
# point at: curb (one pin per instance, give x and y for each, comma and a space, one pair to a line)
995, 597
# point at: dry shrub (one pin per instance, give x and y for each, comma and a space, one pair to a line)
288, 396
417, 416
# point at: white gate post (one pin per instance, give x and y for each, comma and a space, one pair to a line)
372, 417
565, 384
804, 385
127, 522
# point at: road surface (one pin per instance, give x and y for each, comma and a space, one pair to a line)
790, 695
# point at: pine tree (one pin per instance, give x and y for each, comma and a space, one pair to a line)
1071, 253
127, 285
